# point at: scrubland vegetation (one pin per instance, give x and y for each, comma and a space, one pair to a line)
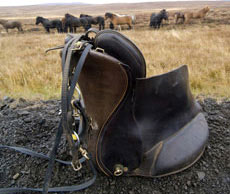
26, 71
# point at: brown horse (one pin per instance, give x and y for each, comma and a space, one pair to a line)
179, 16
196, 15
11, 24
117, 19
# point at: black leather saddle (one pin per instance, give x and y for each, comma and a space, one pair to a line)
138, 126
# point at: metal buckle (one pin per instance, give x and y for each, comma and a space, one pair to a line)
76, 138
78, 46
78, 167
84, 153
100, 50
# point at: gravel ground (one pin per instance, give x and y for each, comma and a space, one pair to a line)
33, 125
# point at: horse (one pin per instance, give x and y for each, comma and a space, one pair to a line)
117, 19
196, 15
11, 24
73, 22
47, 24
94, 20
178, 16
156, 19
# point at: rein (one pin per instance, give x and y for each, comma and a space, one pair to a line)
82, 45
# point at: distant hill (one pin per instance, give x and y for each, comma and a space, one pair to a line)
69, 3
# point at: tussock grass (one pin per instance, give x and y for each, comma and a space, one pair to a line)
205, 50
26, 71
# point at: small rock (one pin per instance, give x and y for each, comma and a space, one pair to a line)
22, 100
27, 120
16, 176
2, 106
217, 171
201, 175
6, 98
113, 183
228, 165
23, 113
189, 183
52, 112
42, 121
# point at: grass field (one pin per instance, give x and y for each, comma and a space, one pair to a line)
26, 71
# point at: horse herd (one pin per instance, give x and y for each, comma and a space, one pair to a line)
70, 23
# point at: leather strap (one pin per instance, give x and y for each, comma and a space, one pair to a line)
55, 189
66, 98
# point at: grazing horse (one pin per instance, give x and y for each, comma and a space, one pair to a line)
196, 15
94, 20
178, 16
116, 19
11, 24
73, 22
47, 24
156, 19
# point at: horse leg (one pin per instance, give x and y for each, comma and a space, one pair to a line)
176, 20
47, 30
186, 20
130, 26
6, 30
18, 29
103, 25
111, 25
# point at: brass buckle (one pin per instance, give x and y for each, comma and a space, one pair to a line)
76, 112
84, 153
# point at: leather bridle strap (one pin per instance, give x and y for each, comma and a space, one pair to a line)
67, 95
55, 189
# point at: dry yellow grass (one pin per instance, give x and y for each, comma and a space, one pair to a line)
26, 71
205, 50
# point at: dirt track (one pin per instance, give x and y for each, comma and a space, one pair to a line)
33, 124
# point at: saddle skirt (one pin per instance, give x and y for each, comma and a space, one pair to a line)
139, 126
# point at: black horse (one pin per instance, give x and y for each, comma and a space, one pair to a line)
156, 19
47, 24
94, 20
73, 22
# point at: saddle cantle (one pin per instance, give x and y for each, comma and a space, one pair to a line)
139, 126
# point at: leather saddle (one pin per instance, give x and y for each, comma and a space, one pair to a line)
138, 126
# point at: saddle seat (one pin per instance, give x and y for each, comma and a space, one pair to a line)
139, 126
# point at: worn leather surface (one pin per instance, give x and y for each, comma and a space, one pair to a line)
121, 48
152, 126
